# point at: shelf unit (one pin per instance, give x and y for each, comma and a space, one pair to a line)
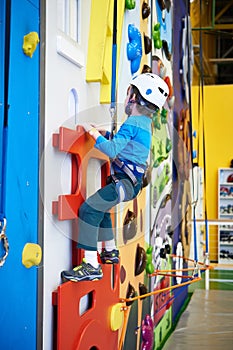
225, 212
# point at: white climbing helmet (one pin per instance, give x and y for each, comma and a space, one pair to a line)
152, 88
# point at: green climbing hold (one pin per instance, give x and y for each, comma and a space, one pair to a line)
130, 4
149, 265
168, 145
163, 116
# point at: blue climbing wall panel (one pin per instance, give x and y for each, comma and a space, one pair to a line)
18, 291
2, 55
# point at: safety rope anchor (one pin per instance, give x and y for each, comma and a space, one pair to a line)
196, 270
4, 240
112, 111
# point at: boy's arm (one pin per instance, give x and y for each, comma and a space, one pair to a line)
90, 128
95, 132
114, 146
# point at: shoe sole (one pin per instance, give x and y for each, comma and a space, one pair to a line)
66, 279
109, 261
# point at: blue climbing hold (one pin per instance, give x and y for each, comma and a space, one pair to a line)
134, 48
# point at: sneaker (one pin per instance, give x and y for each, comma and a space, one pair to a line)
83, 272
111, 257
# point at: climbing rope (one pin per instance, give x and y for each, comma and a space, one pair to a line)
201, 112
126, 309
196, 268
138, 297
189, 73
193, 278
114, 65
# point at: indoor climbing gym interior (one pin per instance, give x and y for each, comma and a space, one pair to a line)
67, 68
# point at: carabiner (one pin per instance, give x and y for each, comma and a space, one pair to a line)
4, 238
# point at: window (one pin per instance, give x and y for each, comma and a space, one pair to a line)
68, 18
69, 31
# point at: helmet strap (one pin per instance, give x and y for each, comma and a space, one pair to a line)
128, 108
132, 100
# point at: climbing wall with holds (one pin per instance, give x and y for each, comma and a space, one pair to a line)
48, 167
161, 179
142, 300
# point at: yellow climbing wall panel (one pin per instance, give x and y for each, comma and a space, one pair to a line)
96, 43
218, 147
99, 57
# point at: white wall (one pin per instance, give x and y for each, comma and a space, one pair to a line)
62, 75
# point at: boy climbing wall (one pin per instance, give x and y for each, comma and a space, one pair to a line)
128, 150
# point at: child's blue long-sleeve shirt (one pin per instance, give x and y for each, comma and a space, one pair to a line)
131, 143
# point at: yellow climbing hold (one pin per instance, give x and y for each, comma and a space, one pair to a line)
30, 42
116, 317
31, 255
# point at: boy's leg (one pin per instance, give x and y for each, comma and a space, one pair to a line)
105, 228
94, 218
109, 254
91, 214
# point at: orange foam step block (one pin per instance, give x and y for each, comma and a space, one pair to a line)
91, 328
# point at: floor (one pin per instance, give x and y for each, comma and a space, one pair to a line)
207, 322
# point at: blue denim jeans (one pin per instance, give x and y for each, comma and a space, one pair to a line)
94, 219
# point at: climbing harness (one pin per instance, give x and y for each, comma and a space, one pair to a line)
121, 190
126, 169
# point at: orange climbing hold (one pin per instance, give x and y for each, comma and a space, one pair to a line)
81, 145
